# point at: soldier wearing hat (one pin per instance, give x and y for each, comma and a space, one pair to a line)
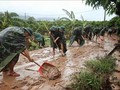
77, 35
54, 38
13, 41
39, 39
63, 39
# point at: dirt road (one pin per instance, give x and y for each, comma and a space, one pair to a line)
72, 63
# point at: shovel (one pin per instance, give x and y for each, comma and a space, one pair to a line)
48, 70
40, 66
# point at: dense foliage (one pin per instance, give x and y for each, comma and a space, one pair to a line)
12, 19
111, 6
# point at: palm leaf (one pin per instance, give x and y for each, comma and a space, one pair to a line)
45, 25
12, 14
72, 15
67, 13
65, 18
82, 18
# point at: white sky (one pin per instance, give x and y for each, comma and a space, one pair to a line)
52, 8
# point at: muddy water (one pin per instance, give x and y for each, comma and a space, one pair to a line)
27, 71
73, 62
77, 57
74, 65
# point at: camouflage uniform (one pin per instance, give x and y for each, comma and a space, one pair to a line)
103, 31
39, 38
88, 32
58, 33
77, 36
54, 34
12, 43
63, 39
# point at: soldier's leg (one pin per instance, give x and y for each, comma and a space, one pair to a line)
71, 40
62, 48
78, 41
11, 66
43, 42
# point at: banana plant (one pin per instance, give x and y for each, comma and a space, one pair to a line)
71, 18
33, 23
109, 6
10, 19
84, 22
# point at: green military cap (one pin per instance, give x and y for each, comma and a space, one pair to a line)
62, 28
53, 28
29, 30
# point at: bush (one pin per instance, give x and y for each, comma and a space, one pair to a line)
33, 46
98, 76
47, 41
86, 81
103, 65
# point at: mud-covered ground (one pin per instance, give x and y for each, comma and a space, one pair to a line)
73, 62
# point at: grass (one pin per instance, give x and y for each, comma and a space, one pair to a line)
96, 75
86, 81
47, 41
102, 65
35, 46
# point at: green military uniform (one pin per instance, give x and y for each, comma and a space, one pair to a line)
88, 32
12, 43
77, 36
54, 34
102, 32
39, 38
96, 32
63, 39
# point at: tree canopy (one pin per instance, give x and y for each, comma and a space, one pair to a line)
111, 6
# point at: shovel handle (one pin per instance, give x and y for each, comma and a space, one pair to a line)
36, 63
40, 66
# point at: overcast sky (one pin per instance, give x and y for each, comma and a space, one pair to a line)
52, 8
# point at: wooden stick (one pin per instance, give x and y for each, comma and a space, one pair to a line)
40, 66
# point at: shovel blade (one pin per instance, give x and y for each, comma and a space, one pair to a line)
48, 70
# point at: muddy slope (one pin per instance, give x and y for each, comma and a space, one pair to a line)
72, 63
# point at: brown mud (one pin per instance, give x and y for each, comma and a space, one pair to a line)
73, 62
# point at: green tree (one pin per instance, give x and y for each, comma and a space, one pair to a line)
6, 18
110, 6
115, 22
33, 23
11, 19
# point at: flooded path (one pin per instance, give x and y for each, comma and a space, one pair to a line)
72, 63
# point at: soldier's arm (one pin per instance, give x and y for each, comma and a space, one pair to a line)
27, 55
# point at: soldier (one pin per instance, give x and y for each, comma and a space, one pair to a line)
40, 39
111, 31
13, 41
77, 35
56, 38
63, 40
88, 32
101, 36
96, 32
102, 33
